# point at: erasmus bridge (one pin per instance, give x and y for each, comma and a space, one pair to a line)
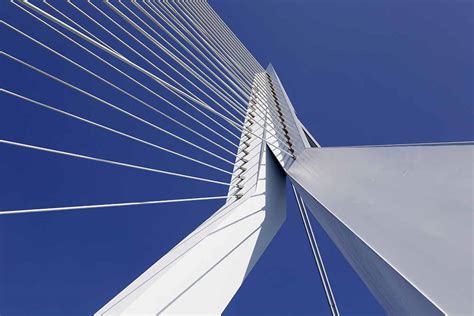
401, 215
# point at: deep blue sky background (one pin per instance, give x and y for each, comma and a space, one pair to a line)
357, 72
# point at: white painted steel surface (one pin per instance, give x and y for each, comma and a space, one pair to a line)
203, 272
402, 216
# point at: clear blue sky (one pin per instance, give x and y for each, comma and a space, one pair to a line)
358, 72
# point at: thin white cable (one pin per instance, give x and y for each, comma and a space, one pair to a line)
244, 82
179, 96
136, 81
117, 108
112, 162
242, 88
163, 61
316, 254
77, 117
125, 60
125, 17
220, 90
247, 129
206, 39
176, 30
169, 53
125, 92
243, 108
240, 110
76, 24
85, 207
236, 125
214, 28
227, 32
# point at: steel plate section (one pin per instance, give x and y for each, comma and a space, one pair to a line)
402, 216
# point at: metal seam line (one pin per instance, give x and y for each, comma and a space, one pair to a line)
127, 93
316, 254
83, 207
77, 117
112, 162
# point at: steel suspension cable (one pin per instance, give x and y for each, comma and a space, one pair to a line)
168, 22
215, 28
205, 38
112, 162
148, 49
129, 94
242, 88
227, 32
85, 207
149, 37
122, 58
115, 131
117, 108
136, 81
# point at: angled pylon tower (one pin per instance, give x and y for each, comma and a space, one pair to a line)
402, 215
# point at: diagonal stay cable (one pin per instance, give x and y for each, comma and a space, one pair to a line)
116, 69
238, 86
221, 89
129, 20
258, 112
77, 117
213, 33
167, 51
229, 35
204, 15
233, 124
116, 108
171, 19
122, 58
112, 162
86, 207
179, 96
120, 89
186, 18
147, 60
76, 24
222, 39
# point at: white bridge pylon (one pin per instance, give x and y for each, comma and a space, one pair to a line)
204, 271
402, 216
